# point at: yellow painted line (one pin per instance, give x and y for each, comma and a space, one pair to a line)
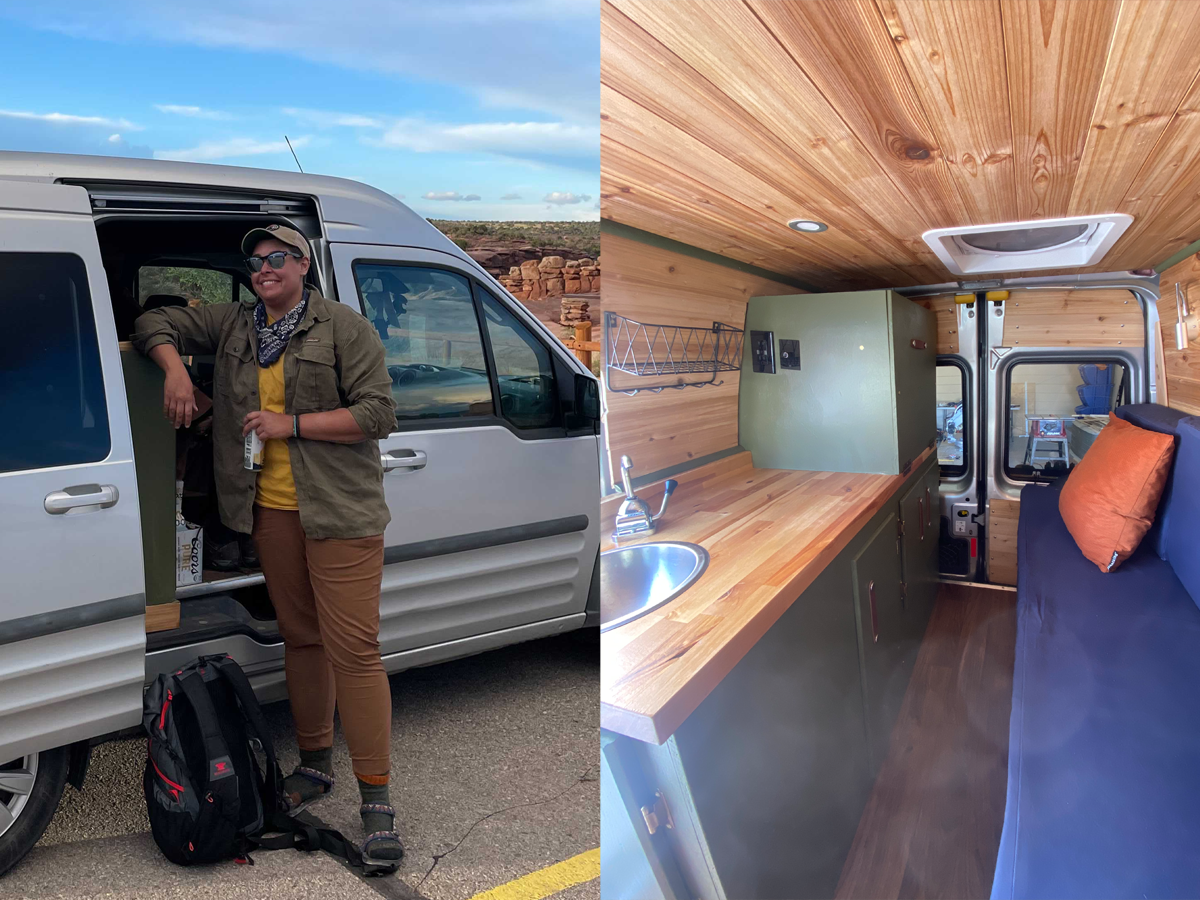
547, 881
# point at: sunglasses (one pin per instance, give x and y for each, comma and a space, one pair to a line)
276, 260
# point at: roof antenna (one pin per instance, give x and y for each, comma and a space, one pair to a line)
294, 156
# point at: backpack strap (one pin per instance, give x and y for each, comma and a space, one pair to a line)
237, 680
221, 780
302, 836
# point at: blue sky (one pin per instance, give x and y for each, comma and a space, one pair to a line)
478, 109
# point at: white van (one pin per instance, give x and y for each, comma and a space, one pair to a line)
492, 472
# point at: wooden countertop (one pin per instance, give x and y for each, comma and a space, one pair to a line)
769, 534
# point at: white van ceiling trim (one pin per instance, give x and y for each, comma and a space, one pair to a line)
1019, 246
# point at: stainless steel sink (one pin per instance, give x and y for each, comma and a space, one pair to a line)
642, 577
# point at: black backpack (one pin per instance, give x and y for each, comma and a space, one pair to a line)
208, 797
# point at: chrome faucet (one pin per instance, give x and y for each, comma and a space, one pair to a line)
634, 515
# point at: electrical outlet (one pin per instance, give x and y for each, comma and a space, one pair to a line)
789, 354
762, 348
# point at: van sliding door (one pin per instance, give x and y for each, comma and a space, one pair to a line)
72, 593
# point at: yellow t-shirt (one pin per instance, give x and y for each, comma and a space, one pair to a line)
276, 489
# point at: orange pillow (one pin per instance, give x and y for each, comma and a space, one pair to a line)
1109, 499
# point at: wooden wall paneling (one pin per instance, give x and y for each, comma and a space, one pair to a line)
1181, 367
852, 61
946, 310
650, 284
792, 137
1002, 540
954, 54
1073, 318
162, 616
1055, 53
1151, 64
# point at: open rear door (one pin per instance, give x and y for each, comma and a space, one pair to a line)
72, 604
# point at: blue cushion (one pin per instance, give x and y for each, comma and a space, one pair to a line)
1181, 531
1164, 420
1104, 739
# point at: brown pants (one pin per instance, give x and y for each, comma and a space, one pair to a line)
326, 597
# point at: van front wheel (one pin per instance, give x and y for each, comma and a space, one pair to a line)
30, 788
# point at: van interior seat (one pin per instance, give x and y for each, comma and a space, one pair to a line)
1105, 727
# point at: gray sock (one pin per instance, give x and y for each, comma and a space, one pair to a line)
302, 789
376, 821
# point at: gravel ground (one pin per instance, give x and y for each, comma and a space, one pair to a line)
495, 767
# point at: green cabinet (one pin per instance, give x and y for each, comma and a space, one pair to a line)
885, 633
765, 782
920, 529
862, 397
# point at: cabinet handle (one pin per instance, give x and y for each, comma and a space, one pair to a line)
928, 507
918, 344
874, 612
921, 515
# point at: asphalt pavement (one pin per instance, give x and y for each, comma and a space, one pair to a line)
495, 768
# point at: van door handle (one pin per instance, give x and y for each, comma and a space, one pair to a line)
79, 495
404, 459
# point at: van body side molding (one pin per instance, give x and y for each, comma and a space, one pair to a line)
478, 540
42, 624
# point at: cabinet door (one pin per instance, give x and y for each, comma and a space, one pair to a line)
888, 647
914, 357
918, 513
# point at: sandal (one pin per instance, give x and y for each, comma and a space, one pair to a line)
381, 842
316, 776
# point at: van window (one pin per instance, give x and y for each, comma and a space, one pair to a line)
426, 320
196, 286
524, 369
1055, 411
51, 388
952, 417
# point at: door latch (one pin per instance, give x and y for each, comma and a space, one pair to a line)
658, 815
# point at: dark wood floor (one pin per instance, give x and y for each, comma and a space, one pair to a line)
931, 827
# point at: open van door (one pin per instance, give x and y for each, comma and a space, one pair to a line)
72, 604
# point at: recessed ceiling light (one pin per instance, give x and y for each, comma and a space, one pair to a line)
807, 225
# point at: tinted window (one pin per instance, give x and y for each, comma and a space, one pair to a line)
51, 390
1055, 411
426, 320
951, 419
523, 368
196, 286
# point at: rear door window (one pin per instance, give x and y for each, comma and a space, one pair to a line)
51, 388
182, 286
952, 417
1055, 411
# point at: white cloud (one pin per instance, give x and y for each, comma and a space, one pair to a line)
449, 195
57, 118
517, 139
114, 139
206, 151
560, 198
320, 118
194, 112
511, 197
410, 38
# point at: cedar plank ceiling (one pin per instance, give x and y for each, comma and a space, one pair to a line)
723, 119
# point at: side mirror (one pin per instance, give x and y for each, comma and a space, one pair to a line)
587, 398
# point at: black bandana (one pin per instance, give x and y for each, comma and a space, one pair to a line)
273, 338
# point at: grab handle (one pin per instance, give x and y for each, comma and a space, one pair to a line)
874, 612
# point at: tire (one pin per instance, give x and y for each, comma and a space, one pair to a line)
35, 813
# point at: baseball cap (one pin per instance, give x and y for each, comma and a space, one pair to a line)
289, 236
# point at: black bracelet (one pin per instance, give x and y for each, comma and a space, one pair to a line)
295, 426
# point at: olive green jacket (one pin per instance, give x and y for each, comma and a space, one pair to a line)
334, 359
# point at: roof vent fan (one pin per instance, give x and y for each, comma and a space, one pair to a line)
1017, 246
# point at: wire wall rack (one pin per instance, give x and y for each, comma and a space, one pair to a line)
647, 350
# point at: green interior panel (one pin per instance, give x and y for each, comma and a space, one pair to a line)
836, 413
154, 461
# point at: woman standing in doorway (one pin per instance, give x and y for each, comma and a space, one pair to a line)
308, 377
